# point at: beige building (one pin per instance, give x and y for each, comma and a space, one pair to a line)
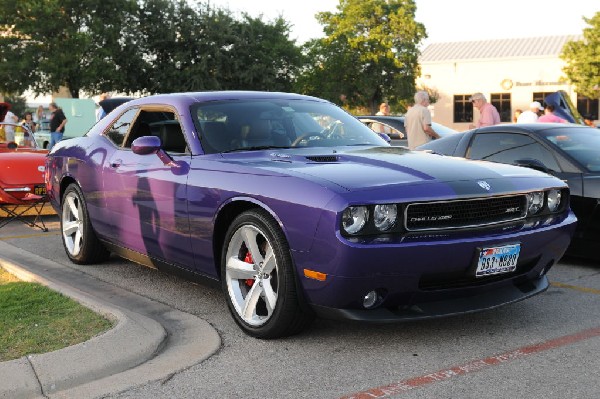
511, 73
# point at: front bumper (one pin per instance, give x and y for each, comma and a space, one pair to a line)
480, 301
429, 276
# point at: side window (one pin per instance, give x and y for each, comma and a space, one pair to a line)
508, 148
162, 124
119, 129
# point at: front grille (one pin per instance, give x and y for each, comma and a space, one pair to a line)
464, 213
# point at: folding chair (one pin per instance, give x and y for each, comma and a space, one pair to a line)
21, 212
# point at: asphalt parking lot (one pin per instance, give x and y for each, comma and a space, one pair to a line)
543, 347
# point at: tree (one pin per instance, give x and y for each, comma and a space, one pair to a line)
583, 60
78, 44
135, 46
188, 49
369, 55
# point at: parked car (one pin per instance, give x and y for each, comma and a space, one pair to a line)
42, 133
568, 151
298, 209
21, 171
393, 126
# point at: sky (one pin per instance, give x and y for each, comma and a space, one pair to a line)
444, 20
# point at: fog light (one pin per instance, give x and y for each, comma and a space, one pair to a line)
370, 299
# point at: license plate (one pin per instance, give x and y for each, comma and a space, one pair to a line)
39, 190
497, 260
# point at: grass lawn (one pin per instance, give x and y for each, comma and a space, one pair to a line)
35, 319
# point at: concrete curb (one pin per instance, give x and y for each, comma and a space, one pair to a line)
148, 343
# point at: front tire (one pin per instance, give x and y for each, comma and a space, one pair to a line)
258, 278
79, 239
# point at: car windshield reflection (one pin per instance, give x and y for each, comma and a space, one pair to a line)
229, 126
582, 144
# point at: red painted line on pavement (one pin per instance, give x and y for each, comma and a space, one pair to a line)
396, 388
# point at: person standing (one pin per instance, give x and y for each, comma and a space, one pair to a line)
58, 120
516, 114
488, 114
549, 116
39, 115
100, 113
417, 122
31, 125
532, 114
384, 110
9, 130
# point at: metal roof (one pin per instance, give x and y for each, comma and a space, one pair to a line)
547, 46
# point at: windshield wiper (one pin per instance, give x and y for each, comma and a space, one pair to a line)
255, 148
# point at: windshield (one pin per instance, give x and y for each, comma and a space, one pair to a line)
581, 143
247, 125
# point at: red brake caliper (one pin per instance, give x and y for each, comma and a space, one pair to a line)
248, 259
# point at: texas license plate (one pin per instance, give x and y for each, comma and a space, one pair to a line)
39, 190
497, 260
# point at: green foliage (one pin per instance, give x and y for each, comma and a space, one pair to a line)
35, 319
79, 44
583, 60
144, 47
370, 54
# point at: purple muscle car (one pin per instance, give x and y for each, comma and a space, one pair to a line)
299, 209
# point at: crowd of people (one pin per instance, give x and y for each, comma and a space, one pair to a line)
32, 122
417, 120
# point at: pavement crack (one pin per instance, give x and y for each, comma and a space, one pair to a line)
37, 378
168, 378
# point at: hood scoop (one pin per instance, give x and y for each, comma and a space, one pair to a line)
323, 158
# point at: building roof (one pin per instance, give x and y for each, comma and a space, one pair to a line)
547, 46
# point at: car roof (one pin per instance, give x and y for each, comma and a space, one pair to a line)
193, 97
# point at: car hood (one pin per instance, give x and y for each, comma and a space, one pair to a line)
376, 167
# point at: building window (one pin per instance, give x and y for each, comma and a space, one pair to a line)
463, 108
540, 97
587, 107
502, 103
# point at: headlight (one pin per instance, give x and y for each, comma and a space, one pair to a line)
535, 202
554, 200
354, 219
385, 216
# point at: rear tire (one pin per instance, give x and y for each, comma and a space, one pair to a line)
258, 278
79, 239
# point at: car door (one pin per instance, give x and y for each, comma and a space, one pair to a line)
146, 198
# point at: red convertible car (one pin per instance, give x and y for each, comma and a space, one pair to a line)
21, 171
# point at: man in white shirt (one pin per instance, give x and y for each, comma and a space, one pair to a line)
9, 130
418, 122
531, 116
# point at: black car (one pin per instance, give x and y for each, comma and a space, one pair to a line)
393, 126
568, 151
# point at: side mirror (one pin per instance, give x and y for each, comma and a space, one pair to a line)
533, 164
146, 145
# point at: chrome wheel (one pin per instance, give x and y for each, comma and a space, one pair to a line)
79, 238
251, 275
72, 224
